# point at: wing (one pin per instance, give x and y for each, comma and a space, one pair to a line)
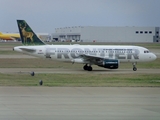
14, 37
93, 59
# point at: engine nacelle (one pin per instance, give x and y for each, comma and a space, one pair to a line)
110, 63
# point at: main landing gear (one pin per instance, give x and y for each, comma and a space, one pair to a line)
89, 68
134, 66
86, 67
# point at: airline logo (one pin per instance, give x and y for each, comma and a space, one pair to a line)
77, 52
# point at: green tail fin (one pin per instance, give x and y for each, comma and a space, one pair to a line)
28, 37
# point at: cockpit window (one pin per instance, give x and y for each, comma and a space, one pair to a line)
146, 51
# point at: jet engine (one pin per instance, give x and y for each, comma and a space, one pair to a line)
110, 63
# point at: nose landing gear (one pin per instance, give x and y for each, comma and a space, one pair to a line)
134, 66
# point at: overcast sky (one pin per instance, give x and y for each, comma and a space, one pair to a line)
46, 15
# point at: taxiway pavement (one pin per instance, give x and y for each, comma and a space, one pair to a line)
79, 103
76, 71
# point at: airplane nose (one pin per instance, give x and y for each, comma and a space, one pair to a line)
154, 56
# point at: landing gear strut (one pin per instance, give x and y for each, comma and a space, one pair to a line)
86, 67
134, 66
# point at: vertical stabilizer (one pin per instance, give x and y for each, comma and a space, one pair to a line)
28, 37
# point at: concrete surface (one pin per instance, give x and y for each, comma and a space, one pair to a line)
79, 103
75, 71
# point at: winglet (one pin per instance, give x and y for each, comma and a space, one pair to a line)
28, 37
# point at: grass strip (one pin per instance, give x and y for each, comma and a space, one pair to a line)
79, 80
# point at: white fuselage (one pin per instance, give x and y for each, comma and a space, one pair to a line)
74, 53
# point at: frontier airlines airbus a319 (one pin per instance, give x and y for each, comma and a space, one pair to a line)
107, 56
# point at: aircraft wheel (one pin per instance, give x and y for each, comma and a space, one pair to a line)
89, 68
134, 69
134, 66
85, 67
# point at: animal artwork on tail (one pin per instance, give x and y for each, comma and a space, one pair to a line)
27, 35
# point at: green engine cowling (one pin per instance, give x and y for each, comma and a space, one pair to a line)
110, 63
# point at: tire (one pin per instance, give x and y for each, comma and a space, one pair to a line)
85, 67
89, 68
134, 69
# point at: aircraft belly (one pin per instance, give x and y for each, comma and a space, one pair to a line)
55, 57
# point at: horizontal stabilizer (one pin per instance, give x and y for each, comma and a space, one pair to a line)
28, 50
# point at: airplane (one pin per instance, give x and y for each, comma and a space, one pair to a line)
9, 36
13, 36
106, 56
